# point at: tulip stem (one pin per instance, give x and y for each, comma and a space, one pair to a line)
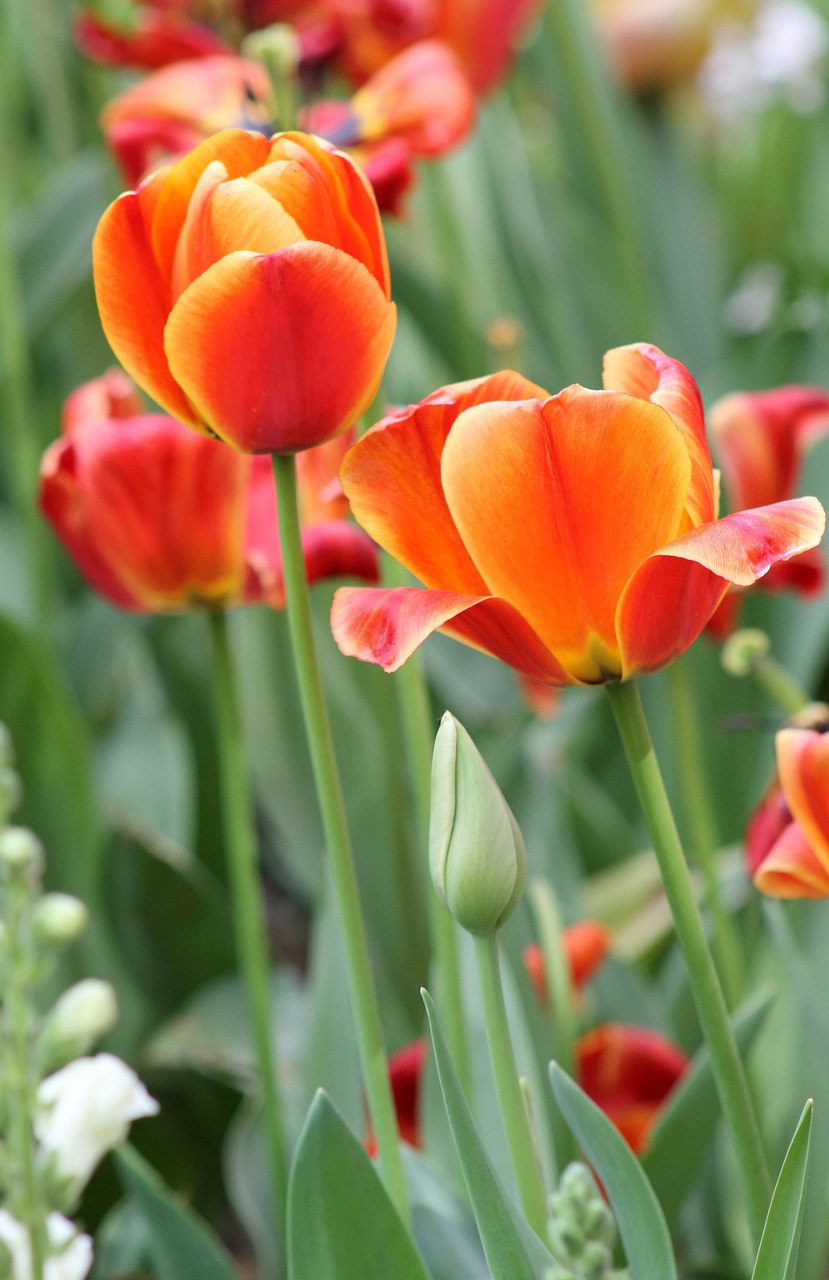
248, 905
779, 685
699, 814
508, 1086
416, 717
550, 932
702, 975
330, 798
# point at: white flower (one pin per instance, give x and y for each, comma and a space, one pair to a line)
73, 1252
86, 1110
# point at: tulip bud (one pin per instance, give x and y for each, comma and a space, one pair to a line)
742, 649
21, 852
59, 919
79, 1018
476, 852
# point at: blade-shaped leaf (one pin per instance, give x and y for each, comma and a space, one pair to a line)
512, 1249
180, 1242
777, 1255
642, 1225
689, 1119
341, 1223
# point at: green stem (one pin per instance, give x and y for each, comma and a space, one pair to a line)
702, 975
471, 352
699, 814
779, 685
416, 717
329, 794
591, 97
549, 930
248, 906
508, 1086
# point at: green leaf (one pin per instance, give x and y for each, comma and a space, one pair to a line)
444, 1228
777, 1255
642, 1225
689, 1120
181, 1243
341, 1222
512, 1249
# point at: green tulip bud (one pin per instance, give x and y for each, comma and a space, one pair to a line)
58, 919
476, 851
21, 852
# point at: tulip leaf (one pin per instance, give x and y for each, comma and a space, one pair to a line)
642, 1226
689, 1119
779, 1244
180, 1242
341, 1223
512, 1249
444, 1227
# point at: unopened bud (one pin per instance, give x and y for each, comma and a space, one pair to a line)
6, 748
476, 851
11, 791
277, 46
58, 919
743, 649
21, 852
77, 1020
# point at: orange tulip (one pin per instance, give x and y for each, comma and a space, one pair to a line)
572, 536
159, 518
629, 1072
586, 945
787, 840
246, 288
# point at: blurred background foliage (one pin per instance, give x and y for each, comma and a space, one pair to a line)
577, 217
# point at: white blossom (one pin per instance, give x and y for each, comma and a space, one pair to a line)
71, 1258
86, 1110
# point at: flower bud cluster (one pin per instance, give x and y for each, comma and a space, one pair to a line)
581, 1229
84, 1108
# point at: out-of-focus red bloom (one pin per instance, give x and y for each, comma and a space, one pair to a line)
787, 839
483, 33
629, 1072
154, 38
246, 289
405, 1072
159, 518
586, 945
572, 536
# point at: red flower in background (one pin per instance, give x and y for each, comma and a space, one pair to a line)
760, 439
629, 1072
154, 37
586, 945
246, 289
405, 1073
787, 839
572, 536
159, 518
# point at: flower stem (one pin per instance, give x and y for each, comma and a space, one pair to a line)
508, 1086
549, 930
329, 793
778, 685
248, 905
415, 715
702, 975
699, 813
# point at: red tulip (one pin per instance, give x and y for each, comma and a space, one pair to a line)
159, 518
629, 1072
246, 288
153, 39
572, 536
405, 1074
586, 945
787, 840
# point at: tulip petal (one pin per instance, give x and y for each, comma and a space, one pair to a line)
387, 626
280, 352
558, 503
791, 869
392, 480
760, 438
646, 372
803, 766
671, 596
134, 300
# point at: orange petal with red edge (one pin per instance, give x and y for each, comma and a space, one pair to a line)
671, 596
392, 480
134, 301
803, 766
791, 869
760, 438
557, 504
281, 352
644, 371
387, 626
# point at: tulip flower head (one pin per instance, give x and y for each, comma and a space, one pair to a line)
787, 840
586, 945
159, 518
246, 289
629, 1072
405, 1073
572, 536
